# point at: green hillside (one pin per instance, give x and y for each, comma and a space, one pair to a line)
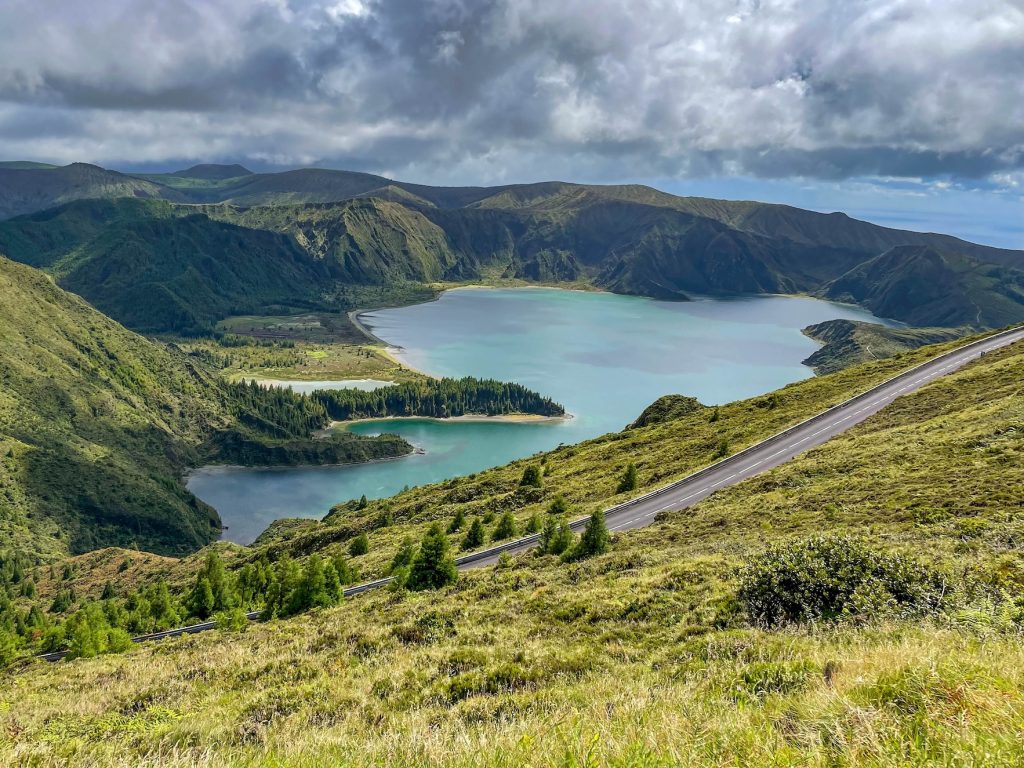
730, 633
35, 187
922, 286
97, 426
847, 342
179, 267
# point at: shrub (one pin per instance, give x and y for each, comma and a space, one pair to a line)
360, 545
830, 577
531, 477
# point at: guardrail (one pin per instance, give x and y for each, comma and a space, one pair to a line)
528, 541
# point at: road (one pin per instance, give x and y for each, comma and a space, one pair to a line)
749, 462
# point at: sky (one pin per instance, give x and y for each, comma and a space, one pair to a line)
906, 112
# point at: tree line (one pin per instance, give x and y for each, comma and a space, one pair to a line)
437, 398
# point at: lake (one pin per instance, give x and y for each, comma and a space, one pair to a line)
604, 357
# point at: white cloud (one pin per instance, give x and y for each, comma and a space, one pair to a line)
527, 88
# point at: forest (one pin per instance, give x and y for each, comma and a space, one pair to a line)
437, 398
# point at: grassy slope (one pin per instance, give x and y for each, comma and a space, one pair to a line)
97, 425
637, 657
847, 342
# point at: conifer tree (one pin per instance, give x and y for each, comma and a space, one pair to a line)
629, 479
475, 535
458, 521
533, 525
404, 556
506, 527
433, 566
559, 506
594, 540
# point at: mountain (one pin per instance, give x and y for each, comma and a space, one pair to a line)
98, 425
30, 188
921, 285
888, 552
158, 268
232, 243
213, 172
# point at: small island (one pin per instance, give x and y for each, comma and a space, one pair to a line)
438, 399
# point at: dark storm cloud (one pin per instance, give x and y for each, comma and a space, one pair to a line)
490, 89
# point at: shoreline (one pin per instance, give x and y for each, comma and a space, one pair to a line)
213, 468
505, 418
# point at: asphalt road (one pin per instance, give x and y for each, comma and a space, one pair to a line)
749, 462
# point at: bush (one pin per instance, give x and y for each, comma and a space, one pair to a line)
829, 577
531, 477
360, 545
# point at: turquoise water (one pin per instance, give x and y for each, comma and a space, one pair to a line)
604, 357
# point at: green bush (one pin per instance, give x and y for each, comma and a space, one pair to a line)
830, 577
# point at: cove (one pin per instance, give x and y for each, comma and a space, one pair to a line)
605, 357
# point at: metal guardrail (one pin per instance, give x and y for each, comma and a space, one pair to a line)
528, 541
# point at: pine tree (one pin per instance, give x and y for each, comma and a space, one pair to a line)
557, 536
363, 502
108, 591
458, 521
533, 525
595, 538
475, 535
629, 479
506, 527
404, 556
201, 601
433, 566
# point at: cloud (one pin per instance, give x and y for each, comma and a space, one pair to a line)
490, 90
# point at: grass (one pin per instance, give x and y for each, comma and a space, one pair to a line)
640, 657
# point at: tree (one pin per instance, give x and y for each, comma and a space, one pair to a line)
722, 450
360, 545
108, 591
200, 601
506, 527
458, 521
346, 573
363, 502
533, 525
474, 536
531, 477
629, 479
433, 566
404, 556
556, 537
594, 540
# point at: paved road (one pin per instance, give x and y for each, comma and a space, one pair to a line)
751, 461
